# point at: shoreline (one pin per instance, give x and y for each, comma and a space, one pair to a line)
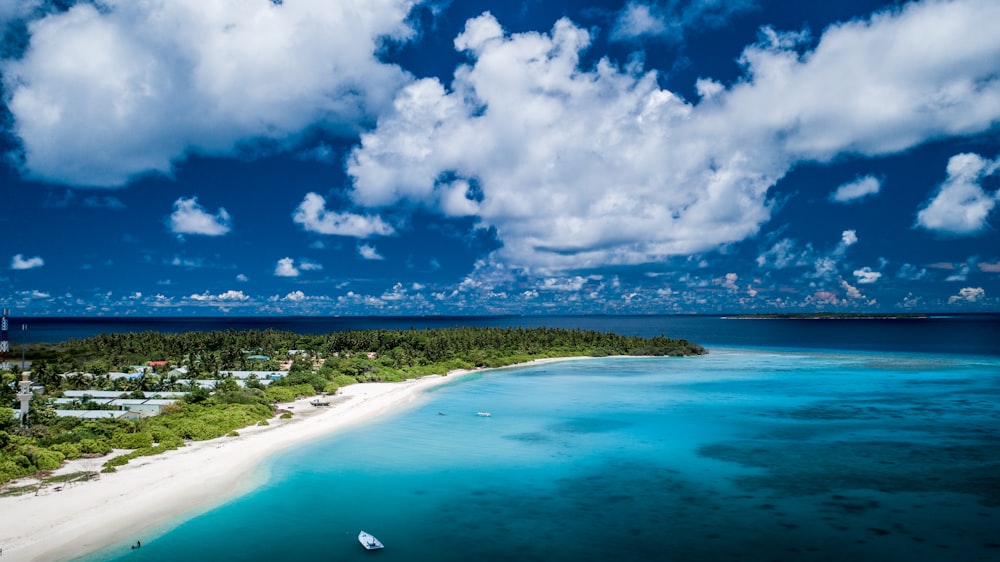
158, 490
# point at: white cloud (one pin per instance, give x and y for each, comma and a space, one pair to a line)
867, 276
784, 254
851, 290
847, 239
295, 296
911, 272
306, 265
968, 294
824, 268
33, 294
857, 189
570, 284
960, 207
11, 10
730, 282
228, 296
314, 217
189, 263
242, 278
286, 268
369, 252
961, 274
670, 20
102, 94
545, 138
638, 20
20, 262
191, 218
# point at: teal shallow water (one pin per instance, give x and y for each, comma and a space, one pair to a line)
737, 455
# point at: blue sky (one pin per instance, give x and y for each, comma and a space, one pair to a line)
391, 157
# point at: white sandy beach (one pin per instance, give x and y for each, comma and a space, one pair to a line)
132, 503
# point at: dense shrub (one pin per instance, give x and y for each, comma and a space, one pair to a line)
137, 440
277, 393
7, 420
95, 446
69, 450
44, 459
201, 422
14, 466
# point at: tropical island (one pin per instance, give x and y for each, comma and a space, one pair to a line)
141, 394
828, 316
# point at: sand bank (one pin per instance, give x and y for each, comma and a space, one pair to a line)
149, 492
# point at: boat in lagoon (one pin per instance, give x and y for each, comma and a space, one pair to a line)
369, 541
483, 414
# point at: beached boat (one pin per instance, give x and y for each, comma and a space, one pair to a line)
369, 541
483, 414
319, 402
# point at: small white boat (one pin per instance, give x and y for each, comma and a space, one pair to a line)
369, 541
319, 402
483, 414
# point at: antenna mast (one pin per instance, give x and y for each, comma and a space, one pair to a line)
4, 344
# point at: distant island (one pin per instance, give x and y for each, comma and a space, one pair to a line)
151, 392
828, 316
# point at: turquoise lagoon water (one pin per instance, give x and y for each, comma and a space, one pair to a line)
737, 455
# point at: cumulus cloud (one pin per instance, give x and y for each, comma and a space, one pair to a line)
851, 290
730, 282
960, 274
848, 238
369, 252
961, 206
189, 263
228, 296
295, 296
968, 294
670, 20
784, 254
104, 93
11, 10
867, 276
306, 265
544, 138
286, 268
911, 272
33, 294
856, 190
191, 218
638, 20
20, 262
313, 215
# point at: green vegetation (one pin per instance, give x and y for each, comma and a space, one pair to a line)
830, 316
322, 363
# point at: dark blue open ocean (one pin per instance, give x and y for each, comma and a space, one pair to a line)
792, 440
